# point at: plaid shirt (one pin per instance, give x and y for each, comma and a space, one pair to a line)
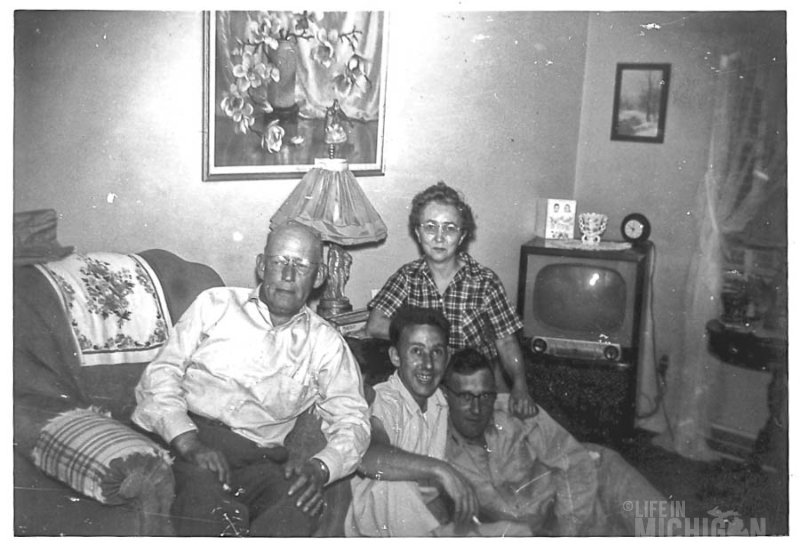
475, 302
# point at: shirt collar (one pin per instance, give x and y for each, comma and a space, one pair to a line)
460, 440
437, 400
255, 298
470, 268
254, 294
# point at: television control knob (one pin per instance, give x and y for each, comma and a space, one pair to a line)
539, 345
611, 353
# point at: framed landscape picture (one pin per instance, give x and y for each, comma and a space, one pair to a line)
640, 102
281, 89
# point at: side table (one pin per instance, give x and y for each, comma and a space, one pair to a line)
759, 350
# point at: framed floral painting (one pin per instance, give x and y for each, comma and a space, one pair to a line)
281, 89
640, 102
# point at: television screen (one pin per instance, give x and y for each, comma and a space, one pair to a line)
580, 297
574, 299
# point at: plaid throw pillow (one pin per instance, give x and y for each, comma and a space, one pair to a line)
101, 457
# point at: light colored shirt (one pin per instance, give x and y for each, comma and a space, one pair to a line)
408, 427
226, 361
529, 469
398, 508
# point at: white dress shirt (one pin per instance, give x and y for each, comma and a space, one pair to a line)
398, 508
226, 361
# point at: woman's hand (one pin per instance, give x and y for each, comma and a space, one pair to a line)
520, 402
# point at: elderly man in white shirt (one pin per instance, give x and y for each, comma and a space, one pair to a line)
239, 368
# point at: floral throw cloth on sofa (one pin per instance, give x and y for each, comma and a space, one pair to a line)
115, 306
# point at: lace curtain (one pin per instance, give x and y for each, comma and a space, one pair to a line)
742, 206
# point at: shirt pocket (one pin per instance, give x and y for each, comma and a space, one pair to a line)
281, 396
474, 329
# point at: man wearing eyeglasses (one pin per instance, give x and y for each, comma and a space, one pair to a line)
228, 386
533, 471
404, 488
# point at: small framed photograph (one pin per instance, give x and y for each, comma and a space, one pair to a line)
640, 102
560, 219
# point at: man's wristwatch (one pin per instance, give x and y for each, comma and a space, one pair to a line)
325, 471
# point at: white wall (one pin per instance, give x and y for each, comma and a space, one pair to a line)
663, 180
659, 180
111, 103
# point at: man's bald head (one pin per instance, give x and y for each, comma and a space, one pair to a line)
299, 230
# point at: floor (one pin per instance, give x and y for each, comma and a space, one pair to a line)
596, 405
727, 485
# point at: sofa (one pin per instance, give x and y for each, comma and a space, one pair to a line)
49, 384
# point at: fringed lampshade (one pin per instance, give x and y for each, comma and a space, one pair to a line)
330, 200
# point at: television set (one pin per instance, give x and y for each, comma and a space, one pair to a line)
582, 303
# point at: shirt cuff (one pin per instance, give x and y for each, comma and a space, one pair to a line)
172, 427
335, 469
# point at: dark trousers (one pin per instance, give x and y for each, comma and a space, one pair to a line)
257, 503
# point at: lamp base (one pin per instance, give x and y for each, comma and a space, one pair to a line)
328, 307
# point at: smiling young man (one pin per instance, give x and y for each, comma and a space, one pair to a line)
406, 488
533, 471
226, 389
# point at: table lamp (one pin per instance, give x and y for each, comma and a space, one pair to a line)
330, 200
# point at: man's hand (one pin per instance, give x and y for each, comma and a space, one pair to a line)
465, 502
520, 403
190, 448
308, 480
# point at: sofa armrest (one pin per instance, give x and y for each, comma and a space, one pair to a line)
43, 506
110, 462
44, 358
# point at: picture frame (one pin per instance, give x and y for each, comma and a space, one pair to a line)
560, 219
640, 102
256, 127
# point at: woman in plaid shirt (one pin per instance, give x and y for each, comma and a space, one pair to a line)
447, 278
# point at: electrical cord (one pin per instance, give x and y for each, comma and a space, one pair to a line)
663, 363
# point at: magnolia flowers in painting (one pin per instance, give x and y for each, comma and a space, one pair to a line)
264, 66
